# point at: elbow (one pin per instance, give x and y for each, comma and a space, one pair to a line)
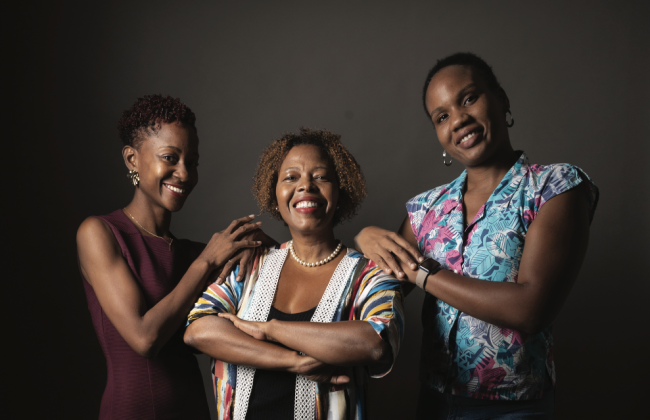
147, 347
189, 337
381, 353
534, 324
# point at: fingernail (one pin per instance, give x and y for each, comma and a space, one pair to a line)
259, 242
400, 274
414, 266
251, 215
421, 259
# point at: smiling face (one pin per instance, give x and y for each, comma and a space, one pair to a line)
469, 117
167, 164
307, 190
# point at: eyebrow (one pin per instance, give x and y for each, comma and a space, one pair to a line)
297, 168
459, 95
172, 147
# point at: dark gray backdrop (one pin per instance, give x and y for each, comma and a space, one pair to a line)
576, 75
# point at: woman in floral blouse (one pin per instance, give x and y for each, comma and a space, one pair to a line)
504, 243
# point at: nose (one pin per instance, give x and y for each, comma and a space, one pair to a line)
181, 172
306, 184
459, 119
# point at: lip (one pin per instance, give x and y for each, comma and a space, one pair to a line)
175, 193
309, 209
478, 136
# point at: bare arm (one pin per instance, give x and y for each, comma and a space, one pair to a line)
346, 343
220, 339
556, 243
146, 329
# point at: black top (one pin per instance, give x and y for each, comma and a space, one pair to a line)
274, 392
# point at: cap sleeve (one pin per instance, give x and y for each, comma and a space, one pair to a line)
561, 178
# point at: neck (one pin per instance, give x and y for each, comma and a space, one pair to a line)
314, 247
153, 218
487, 175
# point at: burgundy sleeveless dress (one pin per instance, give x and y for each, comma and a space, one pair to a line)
168, 386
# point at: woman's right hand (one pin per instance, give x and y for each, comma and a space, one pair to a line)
223, 245
317, 371
388, 249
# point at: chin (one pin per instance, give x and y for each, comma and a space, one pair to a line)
174, 207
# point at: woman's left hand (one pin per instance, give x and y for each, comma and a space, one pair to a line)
255, 329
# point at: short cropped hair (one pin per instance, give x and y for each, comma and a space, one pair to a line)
352, 185
146, 115
462, 59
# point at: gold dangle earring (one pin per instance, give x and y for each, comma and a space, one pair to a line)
134, 176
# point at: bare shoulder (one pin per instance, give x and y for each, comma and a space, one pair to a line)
94, 230
96, 244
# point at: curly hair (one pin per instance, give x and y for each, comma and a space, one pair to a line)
461, 59
146, 114
352, 184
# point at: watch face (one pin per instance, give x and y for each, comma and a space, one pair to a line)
428, 265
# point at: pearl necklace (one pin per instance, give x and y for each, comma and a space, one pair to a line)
315, 264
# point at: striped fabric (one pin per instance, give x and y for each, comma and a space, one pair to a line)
370, 295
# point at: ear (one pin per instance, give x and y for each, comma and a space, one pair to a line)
505, 102
130, 156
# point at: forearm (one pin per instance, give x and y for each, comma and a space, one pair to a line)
510, 305
220, 339
161, 321
346, 343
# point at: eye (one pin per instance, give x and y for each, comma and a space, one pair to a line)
442, 118
289, 178
470, 99
170, 158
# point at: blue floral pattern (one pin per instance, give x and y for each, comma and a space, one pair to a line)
461, 354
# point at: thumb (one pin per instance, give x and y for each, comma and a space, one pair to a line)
339, 379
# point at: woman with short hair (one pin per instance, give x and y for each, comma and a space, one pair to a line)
141, 281
504, 243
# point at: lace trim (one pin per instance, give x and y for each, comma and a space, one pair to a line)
259, 311
305, 400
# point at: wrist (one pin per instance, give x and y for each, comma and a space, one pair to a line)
426, 269
296, 363
202, 264
269, 328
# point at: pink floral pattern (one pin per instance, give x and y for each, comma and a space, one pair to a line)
461, 354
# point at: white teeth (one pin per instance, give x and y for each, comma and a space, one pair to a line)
178, 190
306, 204
467, 137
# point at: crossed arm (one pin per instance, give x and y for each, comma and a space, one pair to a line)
328, 347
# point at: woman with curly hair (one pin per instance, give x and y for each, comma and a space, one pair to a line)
141, 281
269, 360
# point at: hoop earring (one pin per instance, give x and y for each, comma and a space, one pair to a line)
512, 120
134, 176
444, 159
